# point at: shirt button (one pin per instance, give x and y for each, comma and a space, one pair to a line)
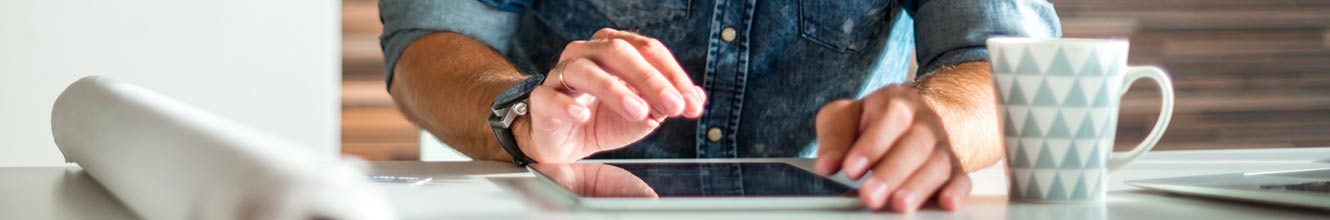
728, 34
714, 134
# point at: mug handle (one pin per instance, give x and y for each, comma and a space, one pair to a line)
1116, 162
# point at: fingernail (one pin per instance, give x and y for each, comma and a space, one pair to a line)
693, 96
946, 201
955, 203
700, 93
673, 102
879, 190
699, 99
579, 113
877, 193
636, 107
908, 201
857, 166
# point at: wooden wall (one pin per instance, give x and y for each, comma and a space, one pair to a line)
1246, 74
371, 125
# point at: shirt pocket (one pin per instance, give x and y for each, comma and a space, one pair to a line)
845, 26
581, 19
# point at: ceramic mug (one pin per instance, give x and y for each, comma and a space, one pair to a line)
1059, 101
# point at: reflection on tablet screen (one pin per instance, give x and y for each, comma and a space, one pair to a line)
689, 180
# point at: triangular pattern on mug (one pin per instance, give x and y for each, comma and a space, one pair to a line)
1059, 117
1000, 66
1073, 159
1078, 55
1092, 65
1080, 189
1058, 147
1027, 65
1057, 190
1011, 56
1042, 55
1060, 65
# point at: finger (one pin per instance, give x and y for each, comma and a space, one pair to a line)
958, 188
923, 183
553, 106
585, 76
621, 59
895, 167
882, 132
702, 97
880, 101
663, 60
906, 156
837, 128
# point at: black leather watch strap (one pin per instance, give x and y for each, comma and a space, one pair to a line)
504, 106
517, 92
509, 144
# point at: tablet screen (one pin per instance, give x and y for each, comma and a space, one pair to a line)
619, 180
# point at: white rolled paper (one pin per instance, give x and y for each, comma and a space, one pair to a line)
167, 160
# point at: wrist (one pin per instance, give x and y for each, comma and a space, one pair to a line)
522, 134
960, 87
962, 96
508, 111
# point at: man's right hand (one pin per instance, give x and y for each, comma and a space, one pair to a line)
606, 93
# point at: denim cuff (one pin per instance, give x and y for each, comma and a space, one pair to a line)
405, 21
949, 32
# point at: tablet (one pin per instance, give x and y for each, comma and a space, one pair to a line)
693, 186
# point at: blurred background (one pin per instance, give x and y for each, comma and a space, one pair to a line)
1247, 74
270, 65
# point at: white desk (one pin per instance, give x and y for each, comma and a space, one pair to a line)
493, 190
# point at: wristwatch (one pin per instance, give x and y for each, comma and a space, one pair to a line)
507, 107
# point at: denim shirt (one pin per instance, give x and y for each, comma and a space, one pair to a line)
765, 85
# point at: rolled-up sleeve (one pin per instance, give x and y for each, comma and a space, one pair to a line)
405, 21
949, 32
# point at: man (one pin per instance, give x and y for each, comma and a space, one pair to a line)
715, 79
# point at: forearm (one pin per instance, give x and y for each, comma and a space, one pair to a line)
445, 83
963, 96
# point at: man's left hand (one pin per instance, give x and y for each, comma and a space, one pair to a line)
895, 134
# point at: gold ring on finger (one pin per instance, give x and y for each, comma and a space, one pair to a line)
563, 85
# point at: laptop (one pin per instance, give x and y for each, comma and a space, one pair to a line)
1302, 188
